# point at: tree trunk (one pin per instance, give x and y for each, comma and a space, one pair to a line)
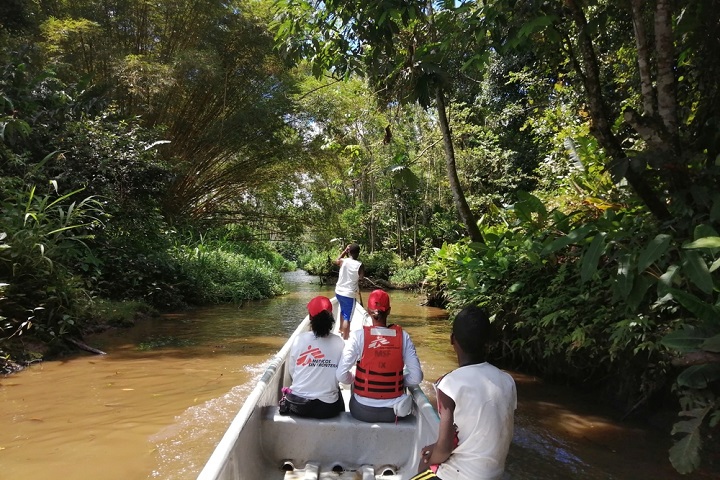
601, 126
644, 66
665, 50
457, 192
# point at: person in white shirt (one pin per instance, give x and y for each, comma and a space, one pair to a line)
385, 363
312, 364
348, 284
476, 403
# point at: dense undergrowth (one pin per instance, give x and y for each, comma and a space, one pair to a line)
82, 230
606, 299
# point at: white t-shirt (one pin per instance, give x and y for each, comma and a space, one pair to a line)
413, 374
312, 365
485, 402
348, 277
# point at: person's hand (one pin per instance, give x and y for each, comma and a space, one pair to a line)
345, 330
426, 453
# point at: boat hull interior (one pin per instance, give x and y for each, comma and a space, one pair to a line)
262, 444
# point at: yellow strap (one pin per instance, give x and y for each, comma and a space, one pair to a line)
426, 475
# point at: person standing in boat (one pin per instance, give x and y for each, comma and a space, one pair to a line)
385, 363
312, 364
476, 403
347, 287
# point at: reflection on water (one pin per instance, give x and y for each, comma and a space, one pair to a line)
157, 404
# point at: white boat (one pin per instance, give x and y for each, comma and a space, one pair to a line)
261, 444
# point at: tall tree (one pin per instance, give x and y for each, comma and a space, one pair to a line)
204, 72
392, 43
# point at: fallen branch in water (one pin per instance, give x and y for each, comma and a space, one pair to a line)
84, 346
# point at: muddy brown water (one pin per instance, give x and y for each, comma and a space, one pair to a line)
156, 405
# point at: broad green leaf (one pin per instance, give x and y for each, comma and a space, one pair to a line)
471, 280
715, 265
685, 453
515, 287
697, 270
403, 176
665, 282
699, 376
696, 417
704, 311
574, 236
712, 344
705, 242
592, 256
529, 204
625, 276
640, 287
654, 250
703, 230
685, 340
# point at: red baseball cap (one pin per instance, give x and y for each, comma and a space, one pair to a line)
318, 304
379, 300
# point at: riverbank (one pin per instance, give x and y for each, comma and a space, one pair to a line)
103, 315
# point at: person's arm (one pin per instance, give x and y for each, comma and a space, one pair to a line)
413, 371
441, 450
349, 358
342, 254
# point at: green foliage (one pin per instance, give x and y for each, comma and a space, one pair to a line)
61, 254
318, 263
598, 294
380, 264
409, 276
220, 276
224, 266
41, 245
240, 240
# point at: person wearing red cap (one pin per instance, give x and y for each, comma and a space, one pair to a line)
385, 363
312, 363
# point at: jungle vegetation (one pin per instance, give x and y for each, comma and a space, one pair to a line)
554, 161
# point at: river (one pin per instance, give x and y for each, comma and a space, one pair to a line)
155, 406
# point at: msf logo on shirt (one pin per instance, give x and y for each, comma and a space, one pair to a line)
379, 343
309, 355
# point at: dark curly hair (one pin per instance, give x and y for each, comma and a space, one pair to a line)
322, 323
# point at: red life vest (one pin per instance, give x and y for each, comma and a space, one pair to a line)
379, 373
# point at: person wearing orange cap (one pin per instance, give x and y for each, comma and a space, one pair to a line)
312, 363
385, 363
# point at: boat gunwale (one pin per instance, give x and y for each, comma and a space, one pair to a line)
224, 448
